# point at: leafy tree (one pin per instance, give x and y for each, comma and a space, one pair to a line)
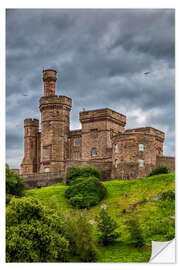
78, 231
34, 233
106, 228
14, 185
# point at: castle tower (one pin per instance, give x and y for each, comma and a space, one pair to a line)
55, 114
29, 164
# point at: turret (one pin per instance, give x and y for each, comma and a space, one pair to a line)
29, 164
49, 78
55, 118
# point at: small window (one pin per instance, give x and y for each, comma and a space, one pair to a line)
47, 170
116, 148
141, 147
93, 152
76, 155
77, 141
141, 163
94, 133
116, 163
46, 152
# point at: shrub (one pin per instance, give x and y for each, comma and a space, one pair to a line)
84, 172
78, 231
14, 184
87, 193
159, 170
34, 233
168, 195
137, 239
106, 227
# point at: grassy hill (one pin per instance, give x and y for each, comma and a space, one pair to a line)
140, 198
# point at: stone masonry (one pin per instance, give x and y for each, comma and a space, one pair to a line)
102, 142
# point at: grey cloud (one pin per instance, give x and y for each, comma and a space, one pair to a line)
100, 56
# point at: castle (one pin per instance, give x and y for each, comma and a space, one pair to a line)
102, 142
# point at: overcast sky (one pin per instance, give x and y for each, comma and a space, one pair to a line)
101, 57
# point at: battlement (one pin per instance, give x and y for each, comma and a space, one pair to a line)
31, 122
53, 100
102, 114
147, 130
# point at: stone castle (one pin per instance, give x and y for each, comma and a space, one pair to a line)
103, 142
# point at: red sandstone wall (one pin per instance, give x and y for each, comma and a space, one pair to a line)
169, 162
126, 160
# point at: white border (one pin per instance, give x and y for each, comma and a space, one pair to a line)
75, 4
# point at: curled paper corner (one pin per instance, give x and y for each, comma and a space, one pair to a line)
163, 252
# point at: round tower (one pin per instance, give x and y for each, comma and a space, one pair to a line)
29, 164
55, 115
49, 78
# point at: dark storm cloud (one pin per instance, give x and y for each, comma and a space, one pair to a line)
100, 56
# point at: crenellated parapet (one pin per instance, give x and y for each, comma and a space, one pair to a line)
55, 102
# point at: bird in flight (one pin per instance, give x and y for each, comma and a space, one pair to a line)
25, 95
147, 72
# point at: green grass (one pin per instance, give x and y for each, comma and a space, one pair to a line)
136, 197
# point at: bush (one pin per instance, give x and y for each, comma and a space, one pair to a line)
168, 195
106, 227
137, 239
84, 172
78, 231
159, 170
34, 233
14, 184
87, 193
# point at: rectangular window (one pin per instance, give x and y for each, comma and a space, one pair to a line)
76, 155
77, 141
116, 148
46, 152
93, 152
141, 147
94, 133
141, 163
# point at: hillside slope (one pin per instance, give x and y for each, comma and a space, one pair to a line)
140, 198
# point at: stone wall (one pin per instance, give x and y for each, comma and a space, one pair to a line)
104, 165
43, 179
169, 162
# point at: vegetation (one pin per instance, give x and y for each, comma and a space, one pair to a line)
81, 173
33, 233
14, 185
79, 232
142, 199
86, 193
159, 170
136, 236
106, 227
